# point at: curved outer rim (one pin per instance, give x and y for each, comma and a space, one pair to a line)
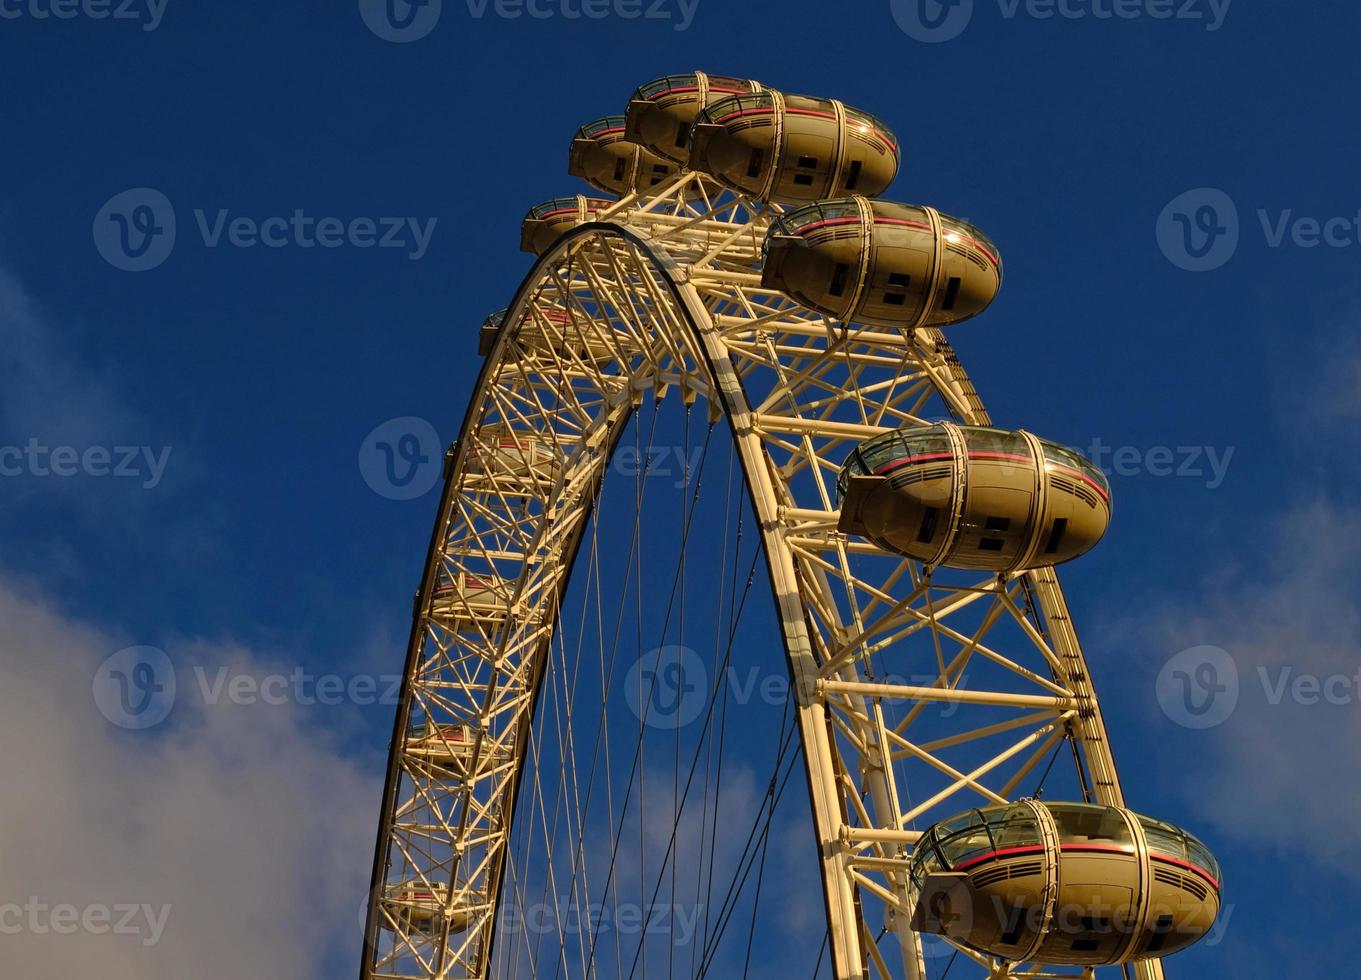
842, 909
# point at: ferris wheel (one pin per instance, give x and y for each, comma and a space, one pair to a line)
744, 263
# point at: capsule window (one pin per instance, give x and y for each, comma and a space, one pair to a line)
838, 287
619, 166
853, 175
1056, 535
682, 134
990, 544
927, 531
951, 294
1161, 929
809, 162
895, 299
1081, 823
901, 279
998, 523
1015, 923
803, 180
755, 163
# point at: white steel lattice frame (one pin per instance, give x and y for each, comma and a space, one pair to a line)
660, 294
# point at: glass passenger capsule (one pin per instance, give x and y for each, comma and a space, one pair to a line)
450, 749
1063, 883
661, 112
877, 262
514, 458
547, 222
548, 332
793, 148
966, 496
464, 600
603, 156
420, 907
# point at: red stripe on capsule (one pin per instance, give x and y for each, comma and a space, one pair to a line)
899, 463
1086, 479
1187, 866
1039, 849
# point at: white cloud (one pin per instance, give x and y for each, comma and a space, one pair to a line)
1282, 770
244, 827
48, 392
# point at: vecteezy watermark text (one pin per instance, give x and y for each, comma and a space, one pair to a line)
300, 687
402, 459
1210, 463
681, 11
669, 687
404, 21
569, 917
136, 230
148, 13
37, 459
138, 687
304, 231
34, 917
936, 21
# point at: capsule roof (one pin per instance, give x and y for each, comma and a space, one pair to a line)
964, 839
793, 147
661, 113
973, 497
846, 210
545, 222
880, 262
604, 126
872, 125
883, 452
563, 205
717, 85
602, 154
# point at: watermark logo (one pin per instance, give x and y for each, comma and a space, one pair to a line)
682, 12
670, 687
301, 687
1199, 687
667, 688
135, 230
135, 688
148, 13
566, 915
401, 21
932, 21
401, 459
1198, 230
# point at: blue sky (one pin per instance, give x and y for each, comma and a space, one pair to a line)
1066, 137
